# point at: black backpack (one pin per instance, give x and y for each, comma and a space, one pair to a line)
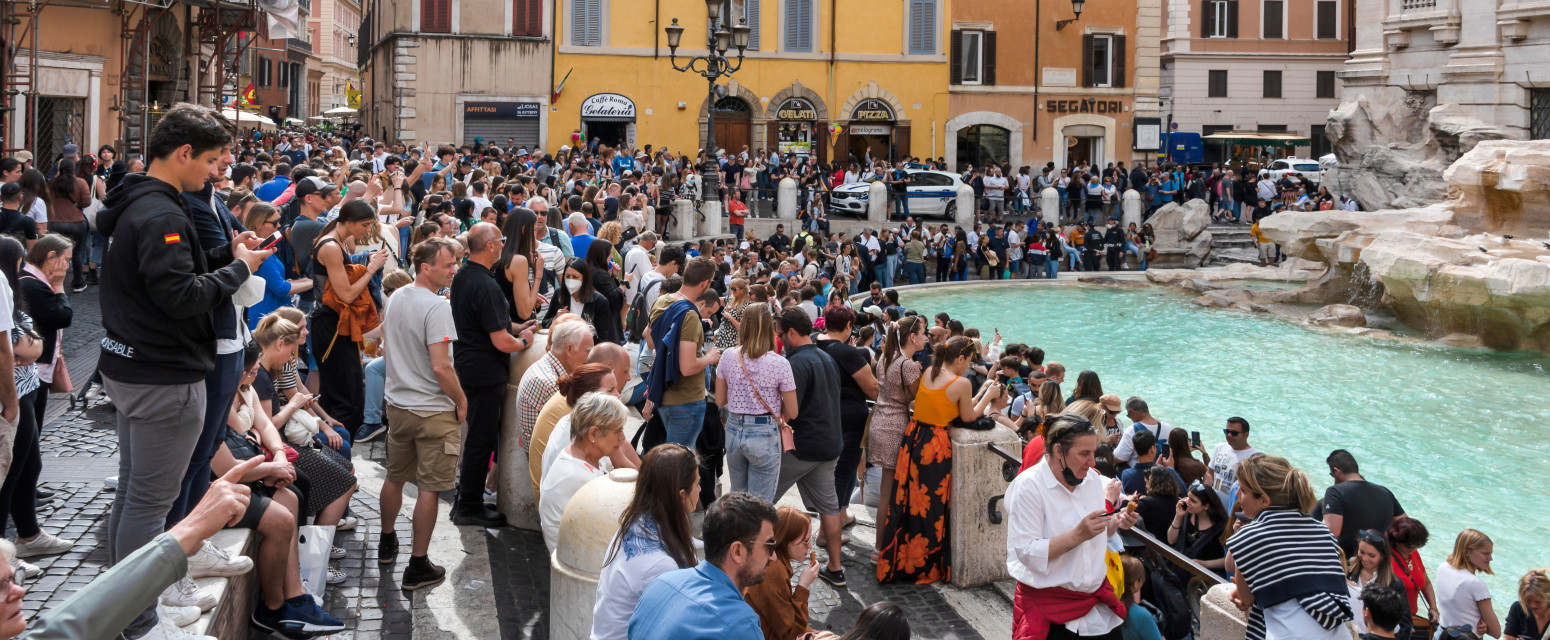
1165, 592
639, 317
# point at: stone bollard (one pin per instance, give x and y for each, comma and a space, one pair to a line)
515, 499
681, 225
978, 547
1130, 209
710, 222
877, 203
586, 532
786, 199
964, 203
1220, 619
1049, 206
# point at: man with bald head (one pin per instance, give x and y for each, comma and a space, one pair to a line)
485, 339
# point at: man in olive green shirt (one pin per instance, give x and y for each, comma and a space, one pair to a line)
915, 259
683, 400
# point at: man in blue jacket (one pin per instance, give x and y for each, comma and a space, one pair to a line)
163, 285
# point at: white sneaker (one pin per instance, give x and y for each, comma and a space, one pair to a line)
164, 630
335, 576
110, 483
26, 571
211, 561
44, 544
178, 616
336, 553
184, 593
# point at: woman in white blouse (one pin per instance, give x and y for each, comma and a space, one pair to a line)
597, 428
1057, 535
655, 537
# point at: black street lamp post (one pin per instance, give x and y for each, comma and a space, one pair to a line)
713, 66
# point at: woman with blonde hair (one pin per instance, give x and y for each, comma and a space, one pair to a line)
1462, 597
782, 608
1285, 565
732, 314
1529, 617
758, 389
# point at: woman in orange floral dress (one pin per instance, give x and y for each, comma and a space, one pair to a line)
915, 539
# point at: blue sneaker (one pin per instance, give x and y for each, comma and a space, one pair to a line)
368, 432
297, 617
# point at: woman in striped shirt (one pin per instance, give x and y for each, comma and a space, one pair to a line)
1285, 565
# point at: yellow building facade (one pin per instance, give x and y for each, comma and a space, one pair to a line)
877, 68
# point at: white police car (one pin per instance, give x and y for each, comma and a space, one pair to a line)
931, 193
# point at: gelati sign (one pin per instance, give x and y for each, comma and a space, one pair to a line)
796, 109
872, 109
608, 105
520, 110
1082, 105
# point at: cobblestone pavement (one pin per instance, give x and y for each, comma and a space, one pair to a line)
498, 580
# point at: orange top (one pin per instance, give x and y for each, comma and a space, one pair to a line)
932, 406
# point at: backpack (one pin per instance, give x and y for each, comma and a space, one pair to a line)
638, 319
1164, 591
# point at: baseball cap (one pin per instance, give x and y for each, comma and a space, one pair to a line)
72, 150
1110, 402
873, 310
10, 190
521, 152
312, 184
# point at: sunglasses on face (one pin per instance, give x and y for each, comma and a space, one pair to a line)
1232, 432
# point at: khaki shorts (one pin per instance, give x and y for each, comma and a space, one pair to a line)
423, 449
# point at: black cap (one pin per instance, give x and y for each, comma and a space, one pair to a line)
10, 190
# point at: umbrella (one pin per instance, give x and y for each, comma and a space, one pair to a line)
294, 121
251, 119
340, 111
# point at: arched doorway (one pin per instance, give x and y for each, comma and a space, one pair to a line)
982, 145
734, 117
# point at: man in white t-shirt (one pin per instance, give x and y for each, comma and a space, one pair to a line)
995, 193
637, 263
1222, 464
477, 197
1140, 415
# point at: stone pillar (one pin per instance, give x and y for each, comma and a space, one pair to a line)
877, 203
586, 530
515, 499
1220, 619
965, 203
1049, 206
786, 199
711, 225
1130, 209
681, 225
978, 547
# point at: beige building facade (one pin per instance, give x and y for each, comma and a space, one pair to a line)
336, 28
1254, 65
458, 71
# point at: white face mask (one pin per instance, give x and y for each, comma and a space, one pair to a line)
572, 285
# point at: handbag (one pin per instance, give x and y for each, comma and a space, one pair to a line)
787, 436
982, 423
60, 383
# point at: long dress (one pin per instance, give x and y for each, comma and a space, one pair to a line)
916, 538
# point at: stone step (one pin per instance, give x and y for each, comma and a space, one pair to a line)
237, 595
1220, 257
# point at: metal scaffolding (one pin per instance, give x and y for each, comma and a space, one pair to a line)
19, 25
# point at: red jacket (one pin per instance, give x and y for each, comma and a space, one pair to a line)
1034, 610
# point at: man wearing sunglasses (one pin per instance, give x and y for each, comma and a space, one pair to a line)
1222, 464
1353, 504
706, 601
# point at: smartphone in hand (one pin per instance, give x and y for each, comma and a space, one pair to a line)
1194, 438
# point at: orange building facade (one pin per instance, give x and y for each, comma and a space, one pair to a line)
1033, 83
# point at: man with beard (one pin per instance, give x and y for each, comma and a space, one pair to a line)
1114, 245
706, 601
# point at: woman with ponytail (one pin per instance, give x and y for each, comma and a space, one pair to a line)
1285, 565
916, 539
898, 381
339, 323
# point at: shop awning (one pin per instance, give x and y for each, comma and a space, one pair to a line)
340, 111
245, 119
1258, 139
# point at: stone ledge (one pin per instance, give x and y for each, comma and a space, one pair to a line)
237, 595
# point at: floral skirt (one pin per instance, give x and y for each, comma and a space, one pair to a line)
916, 540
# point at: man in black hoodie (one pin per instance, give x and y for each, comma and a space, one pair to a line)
163, 286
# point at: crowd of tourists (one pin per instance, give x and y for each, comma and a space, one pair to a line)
273, 305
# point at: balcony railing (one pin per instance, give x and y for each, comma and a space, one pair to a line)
1417, 5
298, 44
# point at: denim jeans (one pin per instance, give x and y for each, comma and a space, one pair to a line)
753, 454
1015, 267
344, 447
890, 267
901, 204
916, 271
683, 421
376, 382
1051, 268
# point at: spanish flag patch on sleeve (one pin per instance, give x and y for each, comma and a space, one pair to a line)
172, 238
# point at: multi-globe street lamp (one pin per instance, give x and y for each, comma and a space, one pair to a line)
712, 66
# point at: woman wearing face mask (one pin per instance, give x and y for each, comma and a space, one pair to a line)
575, 295
1058, 528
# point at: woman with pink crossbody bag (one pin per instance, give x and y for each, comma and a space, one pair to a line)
749, 376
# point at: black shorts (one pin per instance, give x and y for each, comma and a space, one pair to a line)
263, 496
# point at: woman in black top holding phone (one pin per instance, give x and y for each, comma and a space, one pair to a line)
1198, 522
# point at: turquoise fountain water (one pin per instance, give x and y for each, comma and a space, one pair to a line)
1458, 435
